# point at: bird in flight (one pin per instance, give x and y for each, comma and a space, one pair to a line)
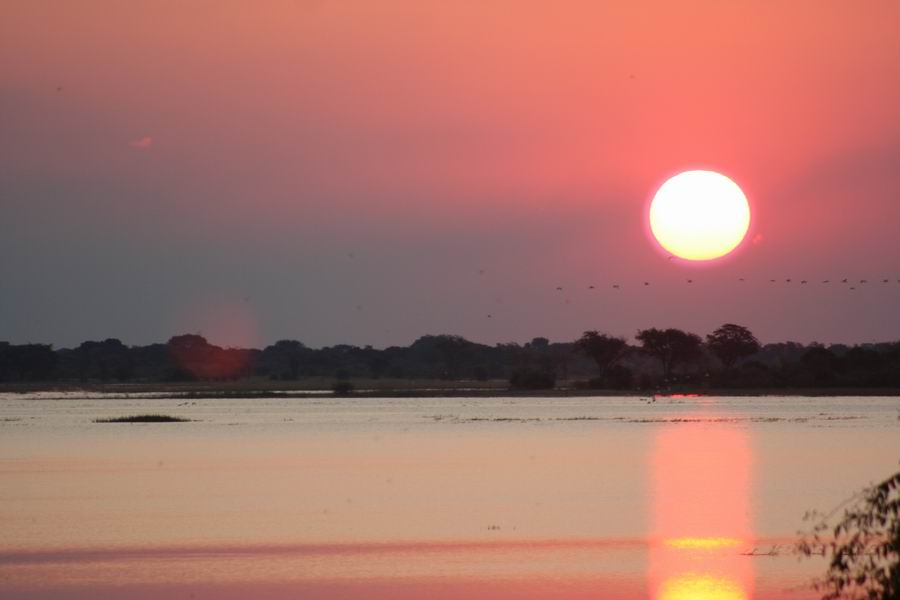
615, 286
558, 289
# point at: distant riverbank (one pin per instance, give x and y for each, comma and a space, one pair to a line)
400, 388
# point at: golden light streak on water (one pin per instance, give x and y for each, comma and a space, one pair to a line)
692, 586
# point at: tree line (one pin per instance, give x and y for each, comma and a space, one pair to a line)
729, 357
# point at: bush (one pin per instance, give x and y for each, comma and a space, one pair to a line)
342, 388
619, 378
532, 379
862, 548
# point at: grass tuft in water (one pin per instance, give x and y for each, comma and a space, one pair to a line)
143, 419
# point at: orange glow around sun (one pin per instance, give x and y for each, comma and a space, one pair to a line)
699, 215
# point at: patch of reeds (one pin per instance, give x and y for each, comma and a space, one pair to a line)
143, 419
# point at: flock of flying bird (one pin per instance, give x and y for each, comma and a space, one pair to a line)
851, 284
846, 281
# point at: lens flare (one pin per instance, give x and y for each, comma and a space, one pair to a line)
219, 350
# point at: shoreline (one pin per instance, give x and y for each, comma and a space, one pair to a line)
320, 387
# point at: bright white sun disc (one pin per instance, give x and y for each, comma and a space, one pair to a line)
699, 215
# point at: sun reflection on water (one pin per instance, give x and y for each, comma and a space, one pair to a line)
703, 543
700, 477
693, 586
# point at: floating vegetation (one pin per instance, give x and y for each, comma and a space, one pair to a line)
144, 419
647, 420
503, 419
772, 551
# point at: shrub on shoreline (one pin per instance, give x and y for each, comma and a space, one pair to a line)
342, 388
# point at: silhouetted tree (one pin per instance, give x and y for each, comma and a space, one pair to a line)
187, 357
619, 378
558, 358
454, 351
821, 364
528, 378
730, 343
284, 358
670, 346
5, 367
151, 362
604, 350
194, 355
863, 547
30, 362
451, 352
539, 344
864, 365
109, 359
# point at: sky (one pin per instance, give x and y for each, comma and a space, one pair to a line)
369, 172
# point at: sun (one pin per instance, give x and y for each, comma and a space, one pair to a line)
699, 215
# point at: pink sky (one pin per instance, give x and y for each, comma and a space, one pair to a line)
370, 172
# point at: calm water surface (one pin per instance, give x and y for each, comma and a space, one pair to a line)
440, 498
